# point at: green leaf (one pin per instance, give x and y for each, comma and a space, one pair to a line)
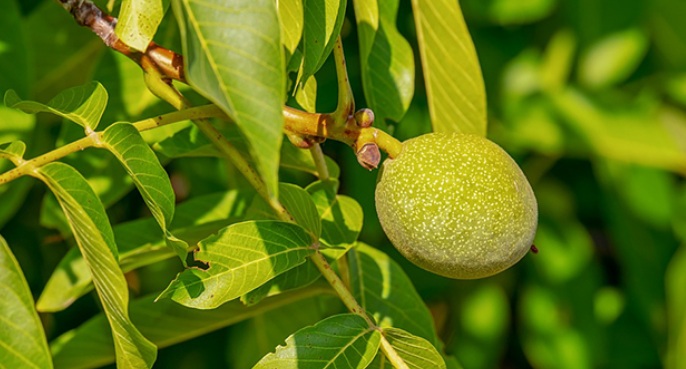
94, 236
13, 151
341, 216
195, 220
190, 142
416, 352
82, 105
296, 278
344, 341
165, 322
385, 292
613, 59
454, 85
125, 142
386, 59
509, 12
306, 96
233, 57
241, 258
323, 23
297, 201
291, 18
138, 22
22, 340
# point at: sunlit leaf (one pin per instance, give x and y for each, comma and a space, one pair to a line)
140, 162
454, 85
82, 105
385, 292
94, 236
13, 151
341, 216
323, 22
344, 341
22, 340
165, 322
291, 18
386, 59
195, 220
416, 352
240, 258
233, 56
613, 59
301, 276
138, 22
298, 203
306, 96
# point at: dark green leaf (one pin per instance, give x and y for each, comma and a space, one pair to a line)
296, 278
344, 341
454, 85
196, 219
416, 352
165, 322
241, 257
22, 340
385, 292
94, 236
82, 105
323, 22
675, 279
140, 162
14, 56
386, 59
233, 56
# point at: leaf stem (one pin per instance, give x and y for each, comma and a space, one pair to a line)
320, 162
28, 166
346, 100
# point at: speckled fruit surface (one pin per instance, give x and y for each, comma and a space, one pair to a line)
456, 205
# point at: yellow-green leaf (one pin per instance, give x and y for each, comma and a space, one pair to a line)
138, 22
95, 239
292, 21
22, 340
83, 105
454, 84
415, 352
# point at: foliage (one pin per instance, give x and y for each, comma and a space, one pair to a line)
588, 96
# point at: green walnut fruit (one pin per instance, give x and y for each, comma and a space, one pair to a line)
456, 205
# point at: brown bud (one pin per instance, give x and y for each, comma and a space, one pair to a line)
364, 117
369, 156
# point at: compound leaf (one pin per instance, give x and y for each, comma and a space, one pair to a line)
13, 151
234, 57
22, 340
95, 239
241, 257
83, 105
125, 142
344, 341
454, 85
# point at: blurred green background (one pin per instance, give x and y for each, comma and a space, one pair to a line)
589, 96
